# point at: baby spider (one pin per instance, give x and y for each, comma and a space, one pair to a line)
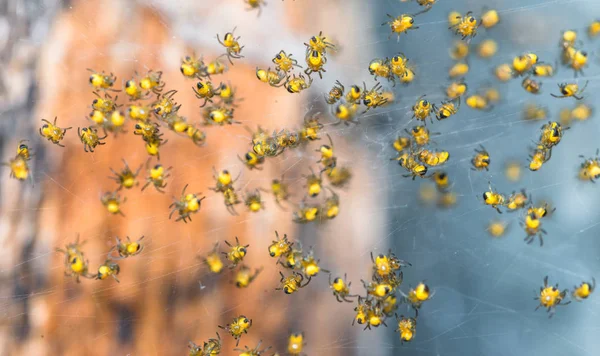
466, 26
313, 184
296, 343
493, 199
231, 199
75, 263
212, 346
375, 317
89, 138
311, 128
584, 290
280, 191
335, 94
213, 260
134, 91
186, 205
152, 82
341, 289
273, 78
236, 252
306, 213
400, 24
292, 283
481, 160
590, 168
550, 297
205, 90
310, 265
422, 110
254, 202
101, 80
551, 135
389, 305
297, 84
256, 4
315, 61
328, 160
446, 109
420, 134
252, 160
318, 43
109, 268
414, 168
157, 177
224, 181
345, 112
516, 200
78, 267
284, 62
570, 90
228, 96
197, 136
244, 276
406, 328
238, 327
432, 158
280, 247
165, 104
216, 67
331, 208
127, 248
417, 296
112, 201
126, 178
531, 85
384, 265
373, 97
218, 115
540, 156
193, 67
378, 290
533, 228
106, 104
52, 132
232, 46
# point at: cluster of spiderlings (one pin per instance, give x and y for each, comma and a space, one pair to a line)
413, 156
302, 266
243, 275
550, 136
381, 300
127, 179
77, 266
344, 106
551, 297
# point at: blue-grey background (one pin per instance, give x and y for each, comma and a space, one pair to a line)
483, 303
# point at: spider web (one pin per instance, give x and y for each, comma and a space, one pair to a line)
484, 287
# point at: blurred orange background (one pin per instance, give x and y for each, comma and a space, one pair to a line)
166, 297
